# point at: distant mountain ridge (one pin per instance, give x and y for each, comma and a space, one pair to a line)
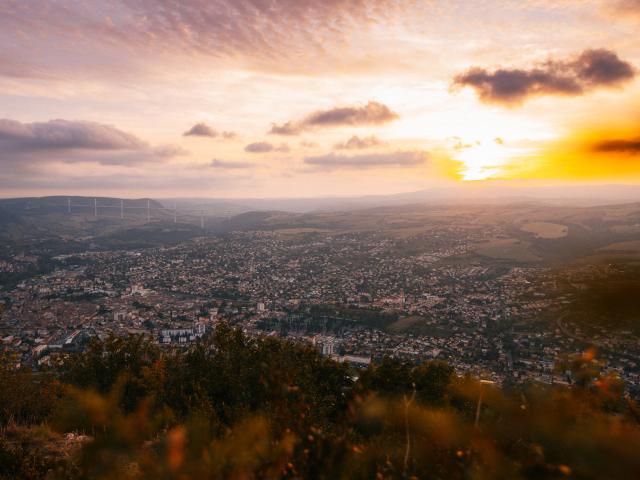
574, 195
72, 219
583, 229
61, 203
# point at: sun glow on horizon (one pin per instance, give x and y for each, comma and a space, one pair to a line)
486, 159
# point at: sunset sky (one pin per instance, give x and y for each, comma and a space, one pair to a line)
277, 98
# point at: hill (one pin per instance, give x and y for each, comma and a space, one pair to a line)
64, 224
510, 233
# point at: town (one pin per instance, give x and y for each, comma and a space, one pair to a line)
355, 296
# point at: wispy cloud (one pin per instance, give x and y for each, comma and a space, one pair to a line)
266, 147
397, 159
260, 31
230, 165
373, 113
358, 143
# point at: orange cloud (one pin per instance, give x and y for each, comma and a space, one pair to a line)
607, 154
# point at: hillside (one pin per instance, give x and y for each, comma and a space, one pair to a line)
66, 224
518, 232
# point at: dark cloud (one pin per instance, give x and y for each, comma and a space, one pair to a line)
259, 147
357, 143
288, 128
602, 68
373, 113
265, 147
75, 142
65, 135
513, 86
203, 130
397, 159
231, 165
618, 146
589, 70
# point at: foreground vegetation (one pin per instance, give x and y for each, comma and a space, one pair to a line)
241, 408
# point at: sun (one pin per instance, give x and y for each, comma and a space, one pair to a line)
485, 159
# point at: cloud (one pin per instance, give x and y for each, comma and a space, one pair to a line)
602, 68
263, 32
65, 135
373, 113
203, 130
170, 151
265, 147
397, 159
74, 142
458, 144
230, 165
625, 7
589, 70
357, 143
19, 68
288, 128
631, 146
230, 135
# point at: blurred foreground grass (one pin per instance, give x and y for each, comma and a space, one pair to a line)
233, 407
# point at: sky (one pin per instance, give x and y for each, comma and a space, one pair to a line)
303, 98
